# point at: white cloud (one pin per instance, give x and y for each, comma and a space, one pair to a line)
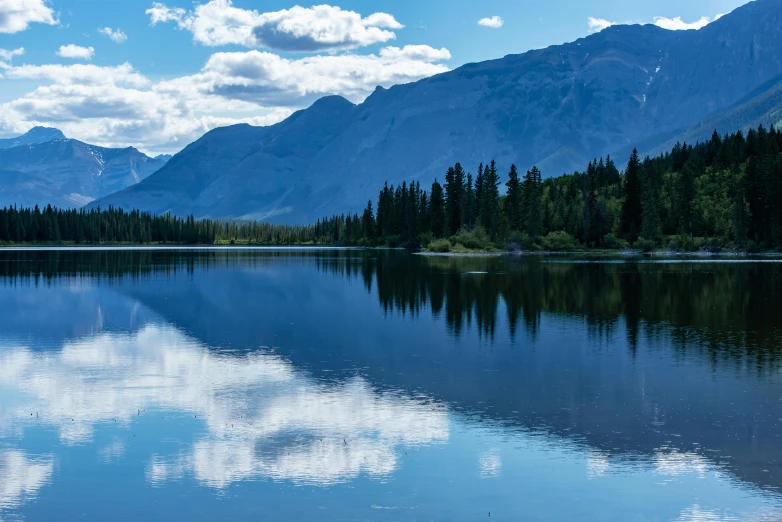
298, 29
118, 106
17, 15
495, 22
7, 55
76, 52
598, 24
117, 36
673, 24
677, 24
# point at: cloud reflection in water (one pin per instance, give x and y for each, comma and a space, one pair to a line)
262, 417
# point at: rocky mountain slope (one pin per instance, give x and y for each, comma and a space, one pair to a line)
65, 172
556, 107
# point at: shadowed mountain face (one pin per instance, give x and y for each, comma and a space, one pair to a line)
66, 173
557, 107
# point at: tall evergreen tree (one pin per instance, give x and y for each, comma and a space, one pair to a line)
513, 200
533, 215
489, 203
685, 199
468, 204
437, 210
454, 198
630, 220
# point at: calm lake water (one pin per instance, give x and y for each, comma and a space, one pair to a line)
350, 385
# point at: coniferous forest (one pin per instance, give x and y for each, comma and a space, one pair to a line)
723, 193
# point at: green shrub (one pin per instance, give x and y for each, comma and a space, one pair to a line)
751, 247
558, 241
612, 242
645, 245
439, 246
426, 238
712, 244
681, 244
393, 241
475, 239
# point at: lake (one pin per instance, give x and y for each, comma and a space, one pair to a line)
302, 384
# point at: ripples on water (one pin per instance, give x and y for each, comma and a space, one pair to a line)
365, 385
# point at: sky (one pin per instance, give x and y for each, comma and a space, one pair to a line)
158, 75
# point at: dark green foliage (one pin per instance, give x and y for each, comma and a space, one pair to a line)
513, 200
685, 199
630, 221
437, 210
454, 198
532, 202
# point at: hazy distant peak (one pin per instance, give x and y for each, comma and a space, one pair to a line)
33, 136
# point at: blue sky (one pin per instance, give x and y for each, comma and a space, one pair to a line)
157, 75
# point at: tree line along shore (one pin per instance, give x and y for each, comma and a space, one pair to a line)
722, 194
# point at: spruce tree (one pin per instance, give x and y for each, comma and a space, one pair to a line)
630, 220
437, 210
489, 204
513, 200
685, 199
468, 204
454, 196
533, 215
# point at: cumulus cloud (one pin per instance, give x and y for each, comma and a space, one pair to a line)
673, 24
598, 24
7, 55
117, 36
119, 106
298, 29
677, 24
17, 15
495, 22
76, 52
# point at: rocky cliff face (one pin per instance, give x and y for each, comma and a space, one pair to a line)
557, 108
68, 173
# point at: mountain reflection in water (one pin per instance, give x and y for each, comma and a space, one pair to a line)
325, 367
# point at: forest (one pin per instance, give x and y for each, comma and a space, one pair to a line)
725, 193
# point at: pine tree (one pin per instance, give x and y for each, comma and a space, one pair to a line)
454, 195
437, 210
513, 199
489, 203
650, 206
685, 199
533, 215
630, 220
468, 204
368, 221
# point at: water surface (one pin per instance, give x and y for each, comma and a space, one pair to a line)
350, 385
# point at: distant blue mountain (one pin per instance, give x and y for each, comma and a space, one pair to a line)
66, 173
556, 108
34, 135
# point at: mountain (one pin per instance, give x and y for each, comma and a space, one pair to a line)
557, 108
34, 135
67, 173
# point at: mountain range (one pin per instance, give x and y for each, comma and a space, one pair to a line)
44, 167
624, 87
